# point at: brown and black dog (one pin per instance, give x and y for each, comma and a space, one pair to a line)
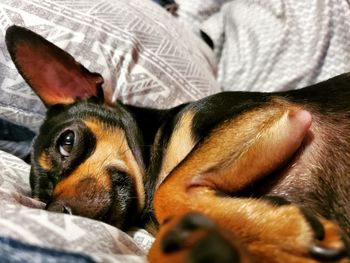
234, 177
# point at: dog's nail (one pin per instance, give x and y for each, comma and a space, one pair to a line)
327, 254
315, 224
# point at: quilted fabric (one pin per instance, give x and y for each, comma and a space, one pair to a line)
194, 12
273, 45
145, 56
280, 44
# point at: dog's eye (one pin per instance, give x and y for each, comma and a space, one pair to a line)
66, 143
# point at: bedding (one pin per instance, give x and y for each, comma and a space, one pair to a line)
149, 57
140, 49
136, 45
274, 45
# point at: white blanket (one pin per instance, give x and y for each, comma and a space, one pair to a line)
277, 44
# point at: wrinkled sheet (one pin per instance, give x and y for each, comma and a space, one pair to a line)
274, 45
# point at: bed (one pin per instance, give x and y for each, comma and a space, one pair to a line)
149, 57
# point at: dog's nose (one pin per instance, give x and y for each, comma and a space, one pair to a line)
58, 207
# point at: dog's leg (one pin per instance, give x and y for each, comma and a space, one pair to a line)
302, 238
224, 163
196, 238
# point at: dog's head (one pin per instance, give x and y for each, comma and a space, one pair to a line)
87, 157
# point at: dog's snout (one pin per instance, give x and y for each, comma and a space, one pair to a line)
58, 207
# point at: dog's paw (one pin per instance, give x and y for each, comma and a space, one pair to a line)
274, 231
205, 242
195, 238
327, 240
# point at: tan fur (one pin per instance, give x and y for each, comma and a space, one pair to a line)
156, 254
227, 161
106, 152
45, 161
180, 144
111, 150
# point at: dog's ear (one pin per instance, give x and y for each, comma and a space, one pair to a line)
52, 73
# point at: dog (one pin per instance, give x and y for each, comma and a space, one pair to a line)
234, 177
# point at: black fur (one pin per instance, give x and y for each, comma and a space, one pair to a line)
321, 188
327, 101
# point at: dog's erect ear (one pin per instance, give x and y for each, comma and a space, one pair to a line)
52, 73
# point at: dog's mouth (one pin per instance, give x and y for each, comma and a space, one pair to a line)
108, 212
105, 194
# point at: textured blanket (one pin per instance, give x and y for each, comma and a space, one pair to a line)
148, 59
274, 45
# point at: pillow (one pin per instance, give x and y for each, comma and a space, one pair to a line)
195, 12
145, 56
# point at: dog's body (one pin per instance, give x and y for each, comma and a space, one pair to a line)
223, 156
